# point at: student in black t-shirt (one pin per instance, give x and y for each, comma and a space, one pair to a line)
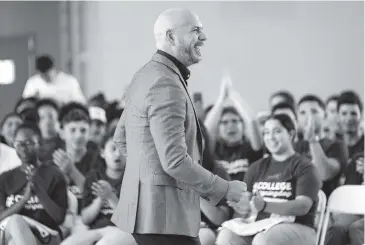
234, 132
101, 192
284, 183
8, 126
329, 156
33, 196
47, 110
75, 161
350, 114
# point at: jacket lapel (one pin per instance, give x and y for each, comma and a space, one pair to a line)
162, 59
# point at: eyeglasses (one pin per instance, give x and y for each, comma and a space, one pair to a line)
28, 143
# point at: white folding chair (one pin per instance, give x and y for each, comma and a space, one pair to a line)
321, 209
349, 199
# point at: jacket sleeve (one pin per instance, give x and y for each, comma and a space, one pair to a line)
166, 109
119, 135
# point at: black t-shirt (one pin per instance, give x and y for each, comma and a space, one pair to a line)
352, 177
285, 180
103, 218
89, 162
236, 159
12, 187
357, 148
332, 149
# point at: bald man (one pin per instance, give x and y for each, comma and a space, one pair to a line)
160, 136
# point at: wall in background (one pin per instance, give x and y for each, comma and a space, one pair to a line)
305, 47
35, 18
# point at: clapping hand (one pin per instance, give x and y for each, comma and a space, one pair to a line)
243, 205
258, 202
102, 189
226, 87
309, 130
360, 165
63, 161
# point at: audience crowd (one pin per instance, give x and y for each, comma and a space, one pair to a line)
61, 172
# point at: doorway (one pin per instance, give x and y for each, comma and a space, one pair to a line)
16, 58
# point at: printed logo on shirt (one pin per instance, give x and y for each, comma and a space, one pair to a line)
32, 203
238, 166
76, 191
281, 190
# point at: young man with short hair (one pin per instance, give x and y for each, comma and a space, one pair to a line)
48, 110
75, 161
345, 227
329, 156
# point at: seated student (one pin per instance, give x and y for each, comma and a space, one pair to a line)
75, 161
284, 183
47, 111
33, 196
8, 126
98, 124
101, 193
234, 132
212, 216
329, 156
8, 158
25, 103
345, 227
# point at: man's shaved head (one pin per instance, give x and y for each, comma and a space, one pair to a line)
174, 32
171, 19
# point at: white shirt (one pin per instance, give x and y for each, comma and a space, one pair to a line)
64, 88
8, 158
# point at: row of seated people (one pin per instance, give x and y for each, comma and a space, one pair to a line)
235, 141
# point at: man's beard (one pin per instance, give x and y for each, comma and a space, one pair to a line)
187, 56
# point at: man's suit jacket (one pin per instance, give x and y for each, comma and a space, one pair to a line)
160, 137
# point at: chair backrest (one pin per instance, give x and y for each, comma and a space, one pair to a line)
321, 209
348, 199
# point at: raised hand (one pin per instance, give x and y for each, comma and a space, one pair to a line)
226, 87
309, 130
235, 190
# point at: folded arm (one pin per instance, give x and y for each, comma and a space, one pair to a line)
166, 108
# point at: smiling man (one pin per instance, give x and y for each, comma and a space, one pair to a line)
160, 136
